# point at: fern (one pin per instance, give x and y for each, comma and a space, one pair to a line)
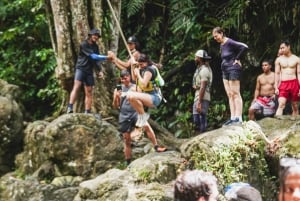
134, 6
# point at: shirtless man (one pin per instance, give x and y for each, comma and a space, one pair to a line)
287, 79
264, 94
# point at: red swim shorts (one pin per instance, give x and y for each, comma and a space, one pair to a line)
289, 89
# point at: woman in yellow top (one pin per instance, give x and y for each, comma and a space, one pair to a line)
148, 93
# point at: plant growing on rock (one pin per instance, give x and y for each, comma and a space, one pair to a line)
241, 161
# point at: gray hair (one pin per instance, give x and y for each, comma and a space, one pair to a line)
193, 184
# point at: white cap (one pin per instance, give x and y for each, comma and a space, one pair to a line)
202, 54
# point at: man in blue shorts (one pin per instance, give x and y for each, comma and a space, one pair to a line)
88, 58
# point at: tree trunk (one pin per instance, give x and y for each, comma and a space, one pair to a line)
69, 24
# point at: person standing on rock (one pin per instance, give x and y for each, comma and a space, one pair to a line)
287, 80
133, 46
128, 116
231, 53
88, 59
202, 81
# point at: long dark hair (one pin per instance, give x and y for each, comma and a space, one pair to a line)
145, 58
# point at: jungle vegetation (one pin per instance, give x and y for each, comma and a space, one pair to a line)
170, 31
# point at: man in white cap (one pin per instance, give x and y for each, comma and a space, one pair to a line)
202, 81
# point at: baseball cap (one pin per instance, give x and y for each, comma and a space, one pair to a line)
95, 32
132, 39
202, 54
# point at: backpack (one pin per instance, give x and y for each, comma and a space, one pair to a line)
156, 81
159, 81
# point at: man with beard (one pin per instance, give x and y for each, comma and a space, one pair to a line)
202, 81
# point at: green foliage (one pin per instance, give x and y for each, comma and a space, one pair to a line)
230, 163
248, 97
145, 176
218, 111
134, 6
182, 125
19, 174
27, 56
171, 31
2, 188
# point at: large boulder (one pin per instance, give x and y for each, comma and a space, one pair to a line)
77, 157
284, 136
233, 154
150, 177
11, 125
73, 144
13, 188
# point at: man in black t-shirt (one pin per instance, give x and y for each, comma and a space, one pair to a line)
88, 59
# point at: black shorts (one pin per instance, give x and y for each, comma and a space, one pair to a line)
234, 74
86, 77
127, 125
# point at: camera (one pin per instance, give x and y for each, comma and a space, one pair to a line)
119, 87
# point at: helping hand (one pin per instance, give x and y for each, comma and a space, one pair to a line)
111, 56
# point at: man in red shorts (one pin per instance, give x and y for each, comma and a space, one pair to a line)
287, 79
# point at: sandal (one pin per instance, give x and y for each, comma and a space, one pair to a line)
160, 148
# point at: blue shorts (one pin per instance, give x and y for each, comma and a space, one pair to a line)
86, 77
156, 98
234, 74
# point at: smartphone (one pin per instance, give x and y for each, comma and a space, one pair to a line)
119, 87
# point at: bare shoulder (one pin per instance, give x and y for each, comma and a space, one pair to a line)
297, 58
278, 59
260, 76
294, 57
